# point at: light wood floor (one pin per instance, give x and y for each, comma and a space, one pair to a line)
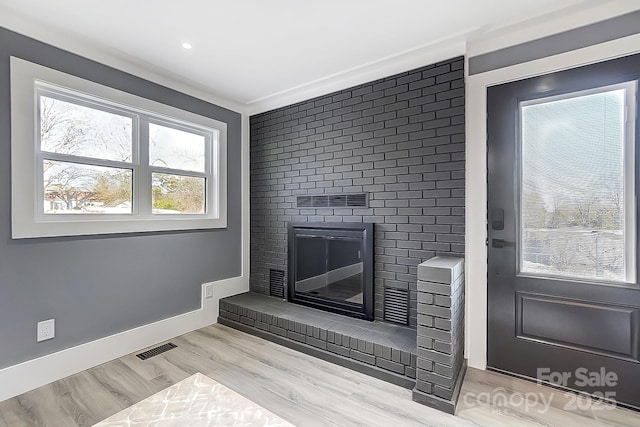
301, 389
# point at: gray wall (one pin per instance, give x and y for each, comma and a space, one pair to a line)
401, 139
566, 41
101, 285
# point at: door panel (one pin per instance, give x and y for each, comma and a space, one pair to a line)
599, 328
562, 227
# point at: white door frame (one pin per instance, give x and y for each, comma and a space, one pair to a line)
476, 174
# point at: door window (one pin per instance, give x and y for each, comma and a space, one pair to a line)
577, 199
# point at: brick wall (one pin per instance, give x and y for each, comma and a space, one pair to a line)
440, 334
400, 139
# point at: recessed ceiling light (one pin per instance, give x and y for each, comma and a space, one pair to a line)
186, 45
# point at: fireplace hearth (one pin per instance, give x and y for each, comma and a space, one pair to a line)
331, 267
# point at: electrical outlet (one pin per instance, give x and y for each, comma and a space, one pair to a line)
46, 330
208, 291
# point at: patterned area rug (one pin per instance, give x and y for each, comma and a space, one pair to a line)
197, 401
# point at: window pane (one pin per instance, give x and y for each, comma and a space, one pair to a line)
176, 149
68, 128
573, 187
176, 194
71, 188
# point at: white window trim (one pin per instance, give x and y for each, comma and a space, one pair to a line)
28, 222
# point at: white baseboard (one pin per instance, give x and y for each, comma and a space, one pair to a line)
25, 376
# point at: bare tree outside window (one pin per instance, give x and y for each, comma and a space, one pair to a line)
76, 130
177, 150
178, 194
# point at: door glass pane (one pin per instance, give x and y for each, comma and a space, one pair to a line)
573, 186
176, 149
177, 194
67, 128
345, 270
71, 188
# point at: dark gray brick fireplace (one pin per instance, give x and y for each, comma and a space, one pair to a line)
400, 139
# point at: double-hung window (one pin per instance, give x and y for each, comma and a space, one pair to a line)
89, 159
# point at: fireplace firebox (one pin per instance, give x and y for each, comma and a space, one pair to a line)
331, 267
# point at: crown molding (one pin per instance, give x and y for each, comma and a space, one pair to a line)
472, 42
46, 34
404, 61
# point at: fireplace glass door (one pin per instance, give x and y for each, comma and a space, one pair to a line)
329, 269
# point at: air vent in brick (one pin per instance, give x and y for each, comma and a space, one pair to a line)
351, 200
276, 283
396, 305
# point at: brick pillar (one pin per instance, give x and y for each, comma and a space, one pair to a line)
440, 368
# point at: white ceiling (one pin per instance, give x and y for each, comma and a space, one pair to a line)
255, 51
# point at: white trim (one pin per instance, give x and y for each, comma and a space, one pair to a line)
20, 378
472, 42
476, 176
404, 61
27, 222
630, 190
76, 45
246, 199
478, 41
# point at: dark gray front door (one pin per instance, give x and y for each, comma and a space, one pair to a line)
564, 299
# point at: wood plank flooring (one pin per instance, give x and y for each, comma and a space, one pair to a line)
303, 390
